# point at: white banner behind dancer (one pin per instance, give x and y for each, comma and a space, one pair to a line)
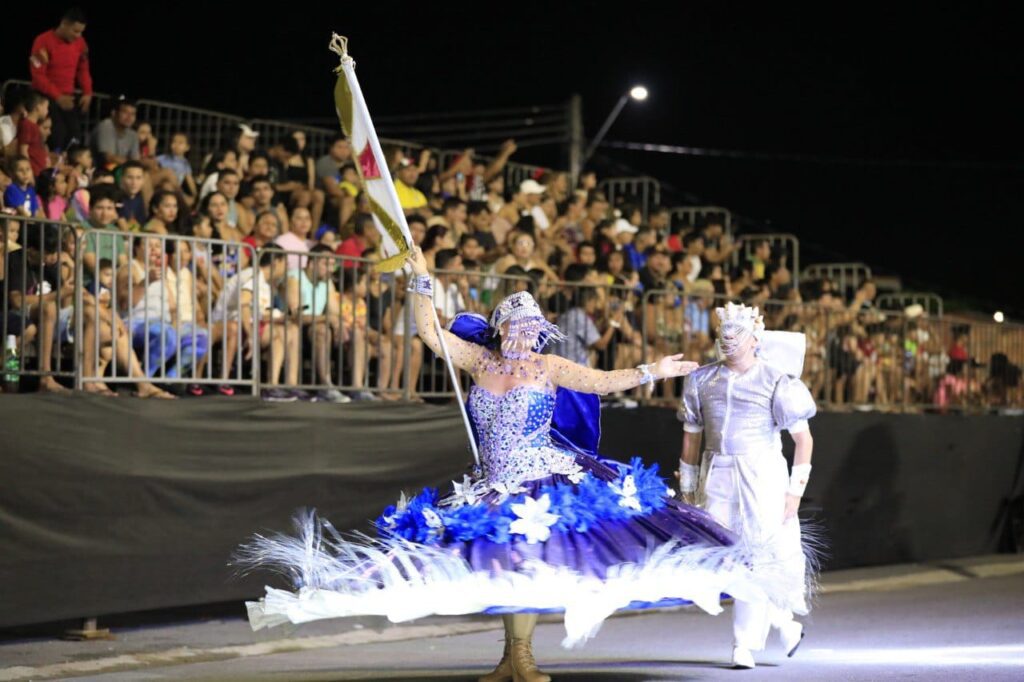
741, 404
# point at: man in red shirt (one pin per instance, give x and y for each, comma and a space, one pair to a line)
59, 60
364, 236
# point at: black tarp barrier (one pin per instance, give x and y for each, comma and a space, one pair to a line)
117, 505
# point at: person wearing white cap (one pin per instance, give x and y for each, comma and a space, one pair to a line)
741, 404
245, 146
532, 192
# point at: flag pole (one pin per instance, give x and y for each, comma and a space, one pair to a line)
393, 226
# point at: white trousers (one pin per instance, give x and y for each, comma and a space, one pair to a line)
747, 494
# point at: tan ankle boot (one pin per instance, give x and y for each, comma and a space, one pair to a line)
524, 668
502, 673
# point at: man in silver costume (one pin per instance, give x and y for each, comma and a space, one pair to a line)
741, 404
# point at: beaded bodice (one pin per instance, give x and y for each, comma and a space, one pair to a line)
514, 431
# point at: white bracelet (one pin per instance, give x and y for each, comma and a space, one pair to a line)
798, 479
689, 475
648, 376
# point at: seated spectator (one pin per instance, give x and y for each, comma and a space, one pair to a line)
582, 335
13, 110
654, 275
411, 199
163, 213
313, 300
114, 140
364, 236
34, 289
450, 288
478, 219
296, 239
718, 246
21, 195
177, 162
30, 140
263, 200
272, 331
268, 228
299, 182
132, 213
366, 342
149, 290
52, 188
147, 143
80, 169
586, 254
103, 216
224, 160
328, 166
693, 245
523, 254
760, 257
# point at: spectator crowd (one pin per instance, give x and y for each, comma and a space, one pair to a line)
283, 243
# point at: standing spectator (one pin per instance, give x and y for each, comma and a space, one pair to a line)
59, 60
131, 214
21, 195
114, 139
30, 140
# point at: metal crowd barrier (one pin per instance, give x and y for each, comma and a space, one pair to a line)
646, 191
694, 215
785, 248
37, 288
845, 276
151, 308
931, 303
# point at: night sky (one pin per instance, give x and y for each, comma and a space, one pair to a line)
881, 84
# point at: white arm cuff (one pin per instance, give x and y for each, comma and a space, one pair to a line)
692, 428
689, 475
798, 479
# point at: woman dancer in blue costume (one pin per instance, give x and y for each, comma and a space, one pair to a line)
545, 525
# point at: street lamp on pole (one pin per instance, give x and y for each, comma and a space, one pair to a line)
638, 93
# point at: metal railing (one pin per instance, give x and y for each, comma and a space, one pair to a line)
150, 307
695, 215
846, 277
931, 303
785, 250
121, 308
644, 191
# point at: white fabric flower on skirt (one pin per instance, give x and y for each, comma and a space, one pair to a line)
534, 520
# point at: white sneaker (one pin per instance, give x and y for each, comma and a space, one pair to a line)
790, 634
742, 658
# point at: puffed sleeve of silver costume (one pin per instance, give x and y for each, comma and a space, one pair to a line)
689, 411
792, 405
